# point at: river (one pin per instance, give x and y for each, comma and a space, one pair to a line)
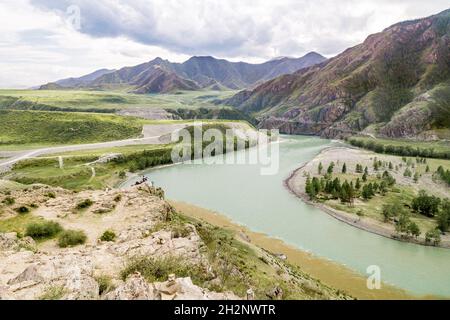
263, 204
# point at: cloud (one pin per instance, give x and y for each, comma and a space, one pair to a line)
42, 38
238, 28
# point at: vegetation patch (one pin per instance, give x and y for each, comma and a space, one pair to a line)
27, 127
71, 238
159, 269
439, 150
53, 293
108, 236
105, 284
84, 204
43, 230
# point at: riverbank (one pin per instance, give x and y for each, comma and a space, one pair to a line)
295, 183
328, 272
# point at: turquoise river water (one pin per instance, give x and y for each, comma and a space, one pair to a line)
263, 204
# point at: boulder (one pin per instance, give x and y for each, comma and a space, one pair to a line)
134, 288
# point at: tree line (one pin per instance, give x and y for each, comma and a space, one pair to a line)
405, 151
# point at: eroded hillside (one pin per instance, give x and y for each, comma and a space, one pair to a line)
131, 244
393, 84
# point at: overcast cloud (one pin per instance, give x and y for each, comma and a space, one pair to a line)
42, 41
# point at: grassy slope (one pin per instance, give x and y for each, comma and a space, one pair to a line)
28, 127
113, 100
75, 175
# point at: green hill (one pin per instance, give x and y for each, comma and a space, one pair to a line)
27, 127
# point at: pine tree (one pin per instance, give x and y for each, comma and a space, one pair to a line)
344, 168
308, 186
407, 173
364, 177
358, 184
330, 168
320, 168
383, 187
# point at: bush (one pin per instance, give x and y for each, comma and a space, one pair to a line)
51, 195
108, 236
426, 205
53, 293
84, 204
9, 201
181, 231
159, 269
105, 284
43, 230
71, 238
433, 236
23, 210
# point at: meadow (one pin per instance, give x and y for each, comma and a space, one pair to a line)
105, 101
47, 128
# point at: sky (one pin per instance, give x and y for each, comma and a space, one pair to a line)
46, 40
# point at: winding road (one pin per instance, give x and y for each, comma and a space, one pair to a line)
153, 134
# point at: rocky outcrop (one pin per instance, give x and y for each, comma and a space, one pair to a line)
26, 274
136, 288
151, 238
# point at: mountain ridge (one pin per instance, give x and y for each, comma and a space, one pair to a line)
204, 71
375, 83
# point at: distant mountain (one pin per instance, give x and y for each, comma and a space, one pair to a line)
389, 85
76, 82
195, 73
163, 81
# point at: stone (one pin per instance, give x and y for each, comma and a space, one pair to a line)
31, 273
135, 288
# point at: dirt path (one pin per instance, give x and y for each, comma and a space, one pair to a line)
151, 133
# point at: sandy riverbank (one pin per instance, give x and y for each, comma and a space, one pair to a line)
351, 156
330, 273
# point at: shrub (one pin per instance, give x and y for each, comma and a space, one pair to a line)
9, 201
180, 231
23, 210
108, 236
43, 230
51, 195
118, 198
105, 284
433, 236
71, 238
426, 205
159, 269
84, 204
53, 293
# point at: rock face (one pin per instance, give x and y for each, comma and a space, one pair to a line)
150, 237
73, 272
374, 82
136, 288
